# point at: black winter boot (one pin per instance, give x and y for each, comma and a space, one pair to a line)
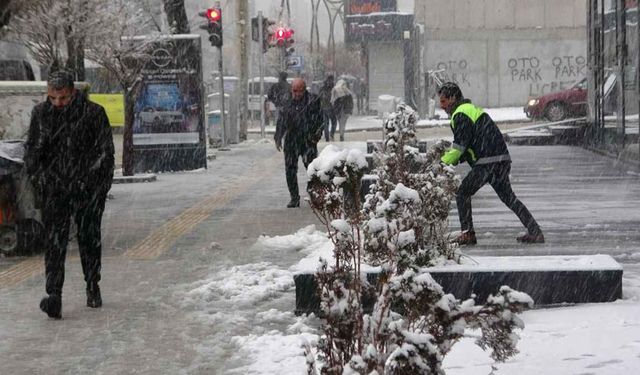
52, 306
295, 202
94, 300
466, 238
531, 238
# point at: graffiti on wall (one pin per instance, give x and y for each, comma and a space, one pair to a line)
462, 62
543, 75
455, 71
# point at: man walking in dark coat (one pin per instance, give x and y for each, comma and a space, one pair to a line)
279, 94
477, 140
69, 159
301, 127
330, 120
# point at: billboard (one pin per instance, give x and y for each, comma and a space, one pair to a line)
378, 27
371, 6
168, 105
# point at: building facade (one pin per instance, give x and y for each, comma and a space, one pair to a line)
501, 52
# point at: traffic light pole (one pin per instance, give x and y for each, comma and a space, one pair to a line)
260, 56
283, 58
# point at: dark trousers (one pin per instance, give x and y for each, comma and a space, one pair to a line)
497, 175
330, 125
308, 152
56, 219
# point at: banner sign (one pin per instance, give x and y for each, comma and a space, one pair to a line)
371, 6
377, 27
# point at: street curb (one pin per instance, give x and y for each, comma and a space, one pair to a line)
272, 129
144, 177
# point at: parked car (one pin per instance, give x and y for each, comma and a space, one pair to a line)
559, 105
571, 102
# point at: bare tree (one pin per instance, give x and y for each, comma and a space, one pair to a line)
315, 33
176, 16
54, 31
123, 55
335, 8
155, 10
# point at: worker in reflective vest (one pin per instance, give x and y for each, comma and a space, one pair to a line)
478, 141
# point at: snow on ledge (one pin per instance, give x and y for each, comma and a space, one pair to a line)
598, 262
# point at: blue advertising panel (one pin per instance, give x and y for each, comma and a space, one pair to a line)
168, 125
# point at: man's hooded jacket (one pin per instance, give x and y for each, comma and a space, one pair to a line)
69, 152
301, 122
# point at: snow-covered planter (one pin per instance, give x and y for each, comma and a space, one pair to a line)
402, 228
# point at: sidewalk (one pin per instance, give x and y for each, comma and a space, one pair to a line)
373, 123
197, 273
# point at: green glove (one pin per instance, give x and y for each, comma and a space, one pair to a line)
451, 157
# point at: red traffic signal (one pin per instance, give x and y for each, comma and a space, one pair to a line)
213, 14
213, 26
283, 35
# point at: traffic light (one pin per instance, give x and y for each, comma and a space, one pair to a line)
267, 34
284, 36
288, 42
213, 26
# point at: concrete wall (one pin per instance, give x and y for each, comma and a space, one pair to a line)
386, 71
16, 113
501, 52
501, 14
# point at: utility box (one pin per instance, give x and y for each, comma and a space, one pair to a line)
214, 128
231, 106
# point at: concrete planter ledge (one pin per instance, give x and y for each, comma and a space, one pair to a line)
141, 177
549, 280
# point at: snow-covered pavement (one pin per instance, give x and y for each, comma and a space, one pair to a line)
360, 123
216, 294
573, 339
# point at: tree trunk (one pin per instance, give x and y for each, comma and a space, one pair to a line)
127, 138
5, 14
176, 16
75, 58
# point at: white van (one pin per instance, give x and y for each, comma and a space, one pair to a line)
254, 94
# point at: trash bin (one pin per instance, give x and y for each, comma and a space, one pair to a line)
386, 105
231, 118
214, 127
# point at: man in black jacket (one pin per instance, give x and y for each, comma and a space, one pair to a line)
329, 119
69, 159
477, 140
279, 94
301, 127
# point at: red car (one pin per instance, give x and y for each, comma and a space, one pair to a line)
559, 105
